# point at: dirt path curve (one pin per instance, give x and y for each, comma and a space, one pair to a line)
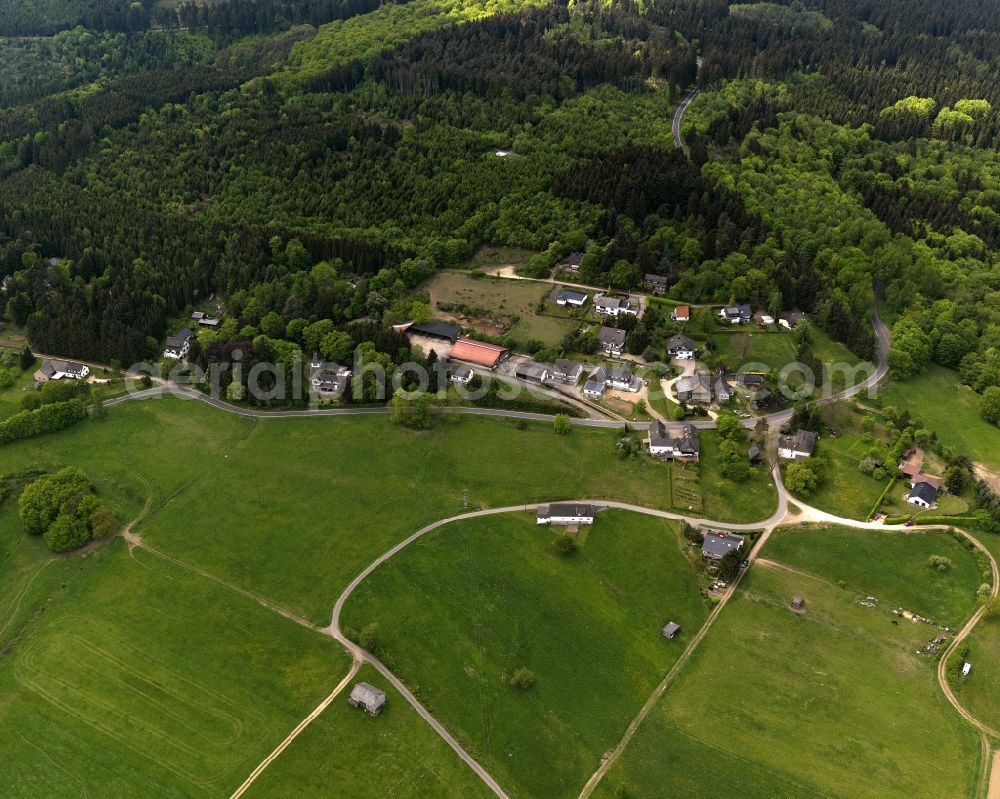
942, 666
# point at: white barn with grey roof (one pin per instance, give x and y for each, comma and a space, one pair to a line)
566, 513
367, 697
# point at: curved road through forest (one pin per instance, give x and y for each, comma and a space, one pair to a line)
679, 117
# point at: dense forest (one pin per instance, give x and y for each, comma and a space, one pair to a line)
318, 171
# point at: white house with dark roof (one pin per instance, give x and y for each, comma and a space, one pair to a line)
328, 379
566, 513
797, 447
178, 346
681, 347
613, 306
717, 544
461, 374
594, 389
573, 299
611, 340
566, 371
923, 495
616, 377
736, 314
678, 442
61, 370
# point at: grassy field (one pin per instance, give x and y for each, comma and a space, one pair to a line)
775, 703
727, 501
949, 409
845, 491
504, 298
119, 674
891, 566
491, 256
346, 752
979, 693
746, 344
464, 608
293, 509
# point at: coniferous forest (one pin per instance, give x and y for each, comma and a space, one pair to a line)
312, 162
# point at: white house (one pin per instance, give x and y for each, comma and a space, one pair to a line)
566, 513
681, 347
736, 314
613, 306
797, 447
329, 379
567, 371
923, 495
594, 389
611, 340
617, 377
680, 442
177, 347
680, 314
461, 374
574, 299
716, 545
62, 370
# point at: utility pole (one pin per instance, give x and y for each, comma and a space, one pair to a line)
465, 499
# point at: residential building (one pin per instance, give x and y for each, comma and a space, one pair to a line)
678, 442
680, 314
751, 381
7, 284
797, 447
695, 388
328, 379
534, 372
61, 370
573, 299
671, 630
613, 306
717, 544
923, 495
681, 347
655, 284
177, 347
367, 697
616, 377
594, 389
566, 513
736, 314
461, 374
611, 340
479, 353
720, 388
573, 263
566, 371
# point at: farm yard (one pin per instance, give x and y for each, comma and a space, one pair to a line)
825, 684
462, 610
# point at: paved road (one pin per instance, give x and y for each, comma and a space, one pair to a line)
679, 117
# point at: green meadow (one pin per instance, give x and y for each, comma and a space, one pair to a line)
831, 702
461, 610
